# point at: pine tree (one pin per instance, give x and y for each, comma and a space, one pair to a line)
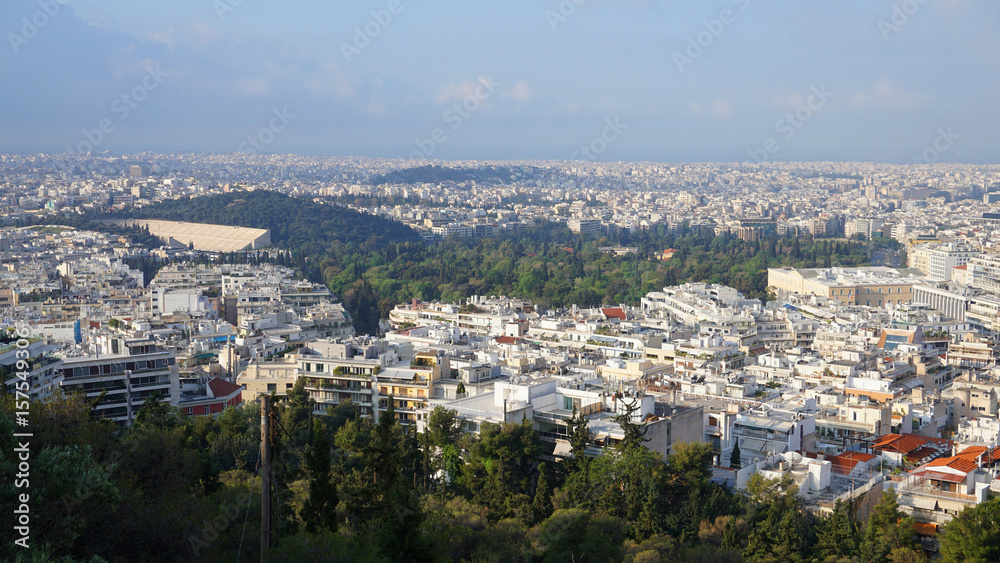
735, 460
579, 435
320, 509
635, 434
888, 529
541, 505
838, 536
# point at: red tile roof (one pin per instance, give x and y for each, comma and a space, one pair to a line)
846, 461
507, 340
614, 313
223, 388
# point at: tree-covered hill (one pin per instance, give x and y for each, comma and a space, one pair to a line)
296, 223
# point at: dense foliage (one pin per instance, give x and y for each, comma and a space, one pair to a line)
553, 267
299, 223
173, 488
372, 263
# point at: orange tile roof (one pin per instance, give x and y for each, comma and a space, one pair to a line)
972, 452
954, 462
887, 439
904, 443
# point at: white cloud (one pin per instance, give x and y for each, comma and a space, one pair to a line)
192, 32
460, 91
520, 92
722, 109
717, 109
883, 94
251, 87
331, 80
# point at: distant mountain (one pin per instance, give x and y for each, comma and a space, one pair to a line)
436, 174
297, 223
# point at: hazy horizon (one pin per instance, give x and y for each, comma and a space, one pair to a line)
599, 80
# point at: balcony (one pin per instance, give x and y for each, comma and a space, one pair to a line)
926, 490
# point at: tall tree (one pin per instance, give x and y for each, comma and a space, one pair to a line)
320, 509
888, 530
635, 434
541, 504
973, 534
837, 534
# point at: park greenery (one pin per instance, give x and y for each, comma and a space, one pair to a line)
372, 263
175, 488
554, 267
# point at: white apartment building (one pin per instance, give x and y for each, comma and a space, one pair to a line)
937, 261
985, 272
128, 372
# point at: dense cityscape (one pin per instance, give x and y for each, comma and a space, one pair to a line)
852, 376
532, 281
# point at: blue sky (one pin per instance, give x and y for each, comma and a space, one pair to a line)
687, 80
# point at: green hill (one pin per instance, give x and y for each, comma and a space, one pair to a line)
296, 223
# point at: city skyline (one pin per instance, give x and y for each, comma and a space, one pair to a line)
729, 81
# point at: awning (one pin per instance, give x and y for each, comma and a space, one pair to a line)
563, 449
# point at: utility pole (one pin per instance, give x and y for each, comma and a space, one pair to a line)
265, 476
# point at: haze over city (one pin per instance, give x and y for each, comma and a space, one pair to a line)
688, 81
524, 281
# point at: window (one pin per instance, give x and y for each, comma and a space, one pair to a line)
190, 410
288, 385
272, 386
207, 411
